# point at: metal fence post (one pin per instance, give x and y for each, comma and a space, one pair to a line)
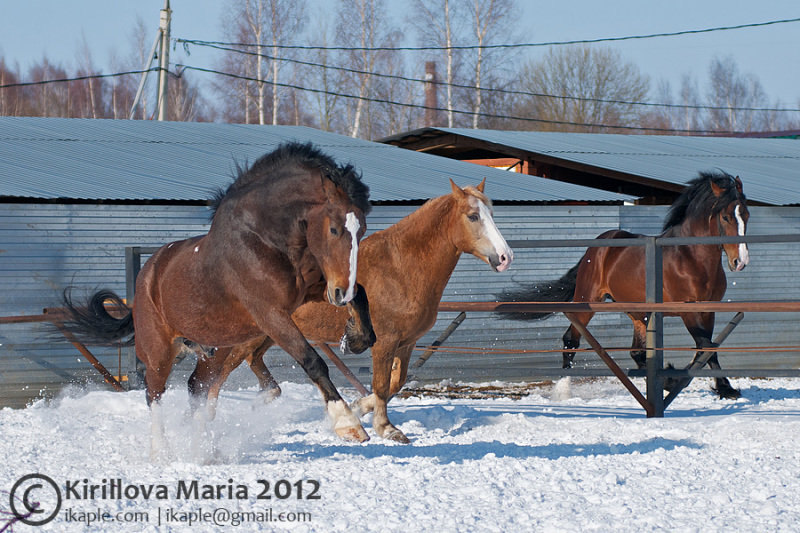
655, 327
133, 263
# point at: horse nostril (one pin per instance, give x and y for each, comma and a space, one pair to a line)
338, 295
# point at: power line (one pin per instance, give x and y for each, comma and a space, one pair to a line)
76, 78
500, 91
460, 112
499, 46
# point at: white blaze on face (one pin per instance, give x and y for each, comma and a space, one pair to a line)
500, 245
744, 255
352, 225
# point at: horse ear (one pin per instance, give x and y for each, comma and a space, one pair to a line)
328, 186
481, 185
455, 188
738, 184
716, 189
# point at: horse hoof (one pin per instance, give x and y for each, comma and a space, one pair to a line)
352, 343
728, 394
397, 436
353, 434
269, 395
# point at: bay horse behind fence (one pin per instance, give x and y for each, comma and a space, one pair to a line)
711, 205
285, 231
404, 268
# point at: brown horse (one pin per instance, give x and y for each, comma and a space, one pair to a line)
285, 231
404, 269
712, 205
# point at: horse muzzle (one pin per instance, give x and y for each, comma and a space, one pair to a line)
339, 296
501, 261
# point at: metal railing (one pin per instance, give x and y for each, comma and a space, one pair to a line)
655, 374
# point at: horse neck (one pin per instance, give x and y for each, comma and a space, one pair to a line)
425, 245
705, 227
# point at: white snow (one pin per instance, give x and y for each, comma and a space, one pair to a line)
566, 458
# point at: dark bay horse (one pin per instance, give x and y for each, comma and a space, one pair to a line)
404, 269
711, 205
285, 231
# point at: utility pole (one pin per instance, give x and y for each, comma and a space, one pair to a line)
163, 61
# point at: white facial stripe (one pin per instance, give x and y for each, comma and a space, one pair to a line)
744, 255
497, 240
352, 225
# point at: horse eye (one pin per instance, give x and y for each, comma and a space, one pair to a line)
473, 217
334, 231
726, 218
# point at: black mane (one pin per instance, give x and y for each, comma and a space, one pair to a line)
306, 155
698, 200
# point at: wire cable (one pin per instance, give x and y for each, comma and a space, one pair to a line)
500, 91
504, 46
76, 78
460, 112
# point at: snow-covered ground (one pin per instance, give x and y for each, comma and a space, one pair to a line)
587, 460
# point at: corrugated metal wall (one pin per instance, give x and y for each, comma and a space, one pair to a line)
45, 247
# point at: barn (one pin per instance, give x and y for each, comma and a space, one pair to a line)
75, 194
651, 167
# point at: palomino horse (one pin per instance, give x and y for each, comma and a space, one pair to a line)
712, 205
284, 231
404, 269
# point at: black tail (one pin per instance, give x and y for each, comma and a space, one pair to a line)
560, 290
93, 323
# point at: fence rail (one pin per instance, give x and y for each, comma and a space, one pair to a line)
655, 374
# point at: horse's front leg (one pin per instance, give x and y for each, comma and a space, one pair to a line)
286, 335
722, 387
358, 335
701, 327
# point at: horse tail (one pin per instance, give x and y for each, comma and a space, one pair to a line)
94, 323
560, 290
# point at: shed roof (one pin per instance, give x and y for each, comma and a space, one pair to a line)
769, 167
95, 159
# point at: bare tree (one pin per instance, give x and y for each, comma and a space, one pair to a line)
439, 24
734, 102
490, 19
11, 98
266, 25
364, 29
732, 91
326, 77
583, 87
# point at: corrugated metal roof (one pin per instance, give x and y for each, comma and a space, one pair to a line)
92, 159
769, 168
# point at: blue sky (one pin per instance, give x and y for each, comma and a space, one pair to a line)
31, 28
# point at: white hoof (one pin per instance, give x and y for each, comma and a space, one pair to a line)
345, 423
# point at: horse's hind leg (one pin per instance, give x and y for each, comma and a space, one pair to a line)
269, 387
157, 354
203, 379
572, 339
638, 353
388, 375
